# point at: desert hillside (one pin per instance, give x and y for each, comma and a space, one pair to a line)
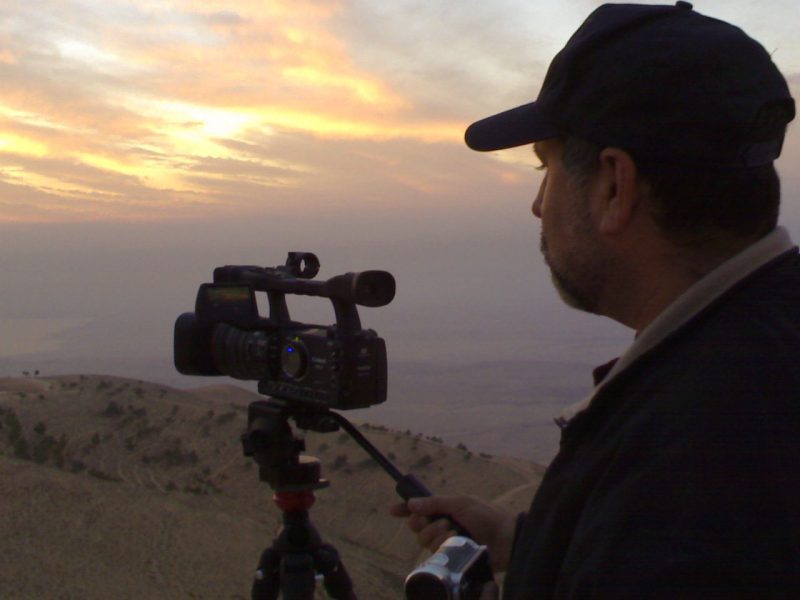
115, 488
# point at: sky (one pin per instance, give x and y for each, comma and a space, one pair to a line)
167, 110
153, 110
144, 142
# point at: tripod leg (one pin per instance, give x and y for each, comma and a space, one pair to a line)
297, 577
337, 581
266, 584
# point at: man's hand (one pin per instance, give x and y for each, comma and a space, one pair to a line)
488, 525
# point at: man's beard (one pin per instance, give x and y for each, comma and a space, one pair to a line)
579, 284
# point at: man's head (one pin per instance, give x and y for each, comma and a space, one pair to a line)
665, 124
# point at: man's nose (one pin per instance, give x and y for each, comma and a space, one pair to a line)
536, 209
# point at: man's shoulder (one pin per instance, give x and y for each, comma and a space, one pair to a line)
741, 350
775, 285
758, 319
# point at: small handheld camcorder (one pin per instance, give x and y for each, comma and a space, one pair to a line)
339, 366
458, 570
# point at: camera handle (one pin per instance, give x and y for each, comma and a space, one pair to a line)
407, 486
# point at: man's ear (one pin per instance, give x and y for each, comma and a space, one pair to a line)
617, 192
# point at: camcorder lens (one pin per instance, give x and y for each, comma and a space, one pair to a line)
294, 360
239, 353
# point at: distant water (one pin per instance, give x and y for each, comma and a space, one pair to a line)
19, 337
501, 408
493, 385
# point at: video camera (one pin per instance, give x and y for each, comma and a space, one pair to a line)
309, 371
339, 366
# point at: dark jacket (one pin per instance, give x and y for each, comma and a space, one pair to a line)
682, 478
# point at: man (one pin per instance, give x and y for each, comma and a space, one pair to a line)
680, 476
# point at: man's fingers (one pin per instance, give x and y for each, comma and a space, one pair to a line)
417, 523
434, 534
439, 540
432, 505
416, 506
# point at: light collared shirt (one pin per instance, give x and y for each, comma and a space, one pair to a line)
687, 305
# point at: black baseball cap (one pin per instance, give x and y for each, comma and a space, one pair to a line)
663, 82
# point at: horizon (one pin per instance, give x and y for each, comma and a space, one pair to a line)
143, 143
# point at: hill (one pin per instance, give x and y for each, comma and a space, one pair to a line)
119, 488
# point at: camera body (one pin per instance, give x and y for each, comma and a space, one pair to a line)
339, 366
458, 570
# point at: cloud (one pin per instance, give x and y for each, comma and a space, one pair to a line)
460, 59
149, 100
224, 18
176, 104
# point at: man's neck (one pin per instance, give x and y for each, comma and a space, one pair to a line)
653, 282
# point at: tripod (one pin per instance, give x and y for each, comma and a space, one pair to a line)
289, 566
297, 554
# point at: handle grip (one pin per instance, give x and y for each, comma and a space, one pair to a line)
408, 486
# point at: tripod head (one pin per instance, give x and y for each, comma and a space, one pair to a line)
270, 441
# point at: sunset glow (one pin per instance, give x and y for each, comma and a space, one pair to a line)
157, 109
122, 111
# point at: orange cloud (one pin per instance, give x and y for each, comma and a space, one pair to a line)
135, 115
7, 57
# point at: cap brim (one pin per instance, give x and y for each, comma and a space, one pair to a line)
516, 127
